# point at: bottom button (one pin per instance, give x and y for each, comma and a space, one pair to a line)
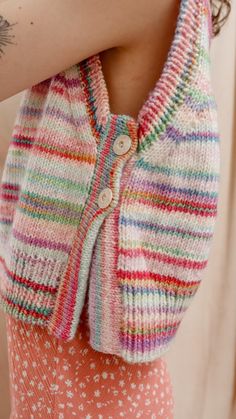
105, 198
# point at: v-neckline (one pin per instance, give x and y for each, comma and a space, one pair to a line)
169, 89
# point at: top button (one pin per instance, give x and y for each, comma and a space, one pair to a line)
122, 144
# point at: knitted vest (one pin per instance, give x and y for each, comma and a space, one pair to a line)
110, 210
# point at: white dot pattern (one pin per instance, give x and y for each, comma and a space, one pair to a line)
53, 379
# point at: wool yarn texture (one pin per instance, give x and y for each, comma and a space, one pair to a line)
127, 233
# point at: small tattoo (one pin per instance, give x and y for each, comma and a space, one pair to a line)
6, 36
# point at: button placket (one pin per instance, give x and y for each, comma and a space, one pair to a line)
103, 190
121, 146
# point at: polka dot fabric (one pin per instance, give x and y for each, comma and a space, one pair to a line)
50, 378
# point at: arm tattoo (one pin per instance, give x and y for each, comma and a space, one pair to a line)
6, 36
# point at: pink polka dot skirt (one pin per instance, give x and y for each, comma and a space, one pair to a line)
52, 379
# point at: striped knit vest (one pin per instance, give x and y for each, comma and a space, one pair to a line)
138, 260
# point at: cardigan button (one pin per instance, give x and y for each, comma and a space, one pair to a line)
105, 198
122, 144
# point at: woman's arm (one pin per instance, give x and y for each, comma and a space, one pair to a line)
39, 38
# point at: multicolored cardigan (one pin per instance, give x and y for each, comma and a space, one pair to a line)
138, 262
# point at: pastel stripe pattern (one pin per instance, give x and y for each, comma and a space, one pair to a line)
141, 260
50, 164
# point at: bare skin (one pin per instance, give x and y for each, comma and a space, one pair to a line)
132, 36
131, 72
6, 35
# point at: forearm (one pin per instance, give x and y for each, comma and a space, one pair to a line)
40, 38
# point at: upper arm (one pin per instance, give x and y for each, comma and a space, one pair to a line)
40, 38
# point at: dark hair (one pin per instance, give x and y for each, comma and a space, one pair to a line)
220, 12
